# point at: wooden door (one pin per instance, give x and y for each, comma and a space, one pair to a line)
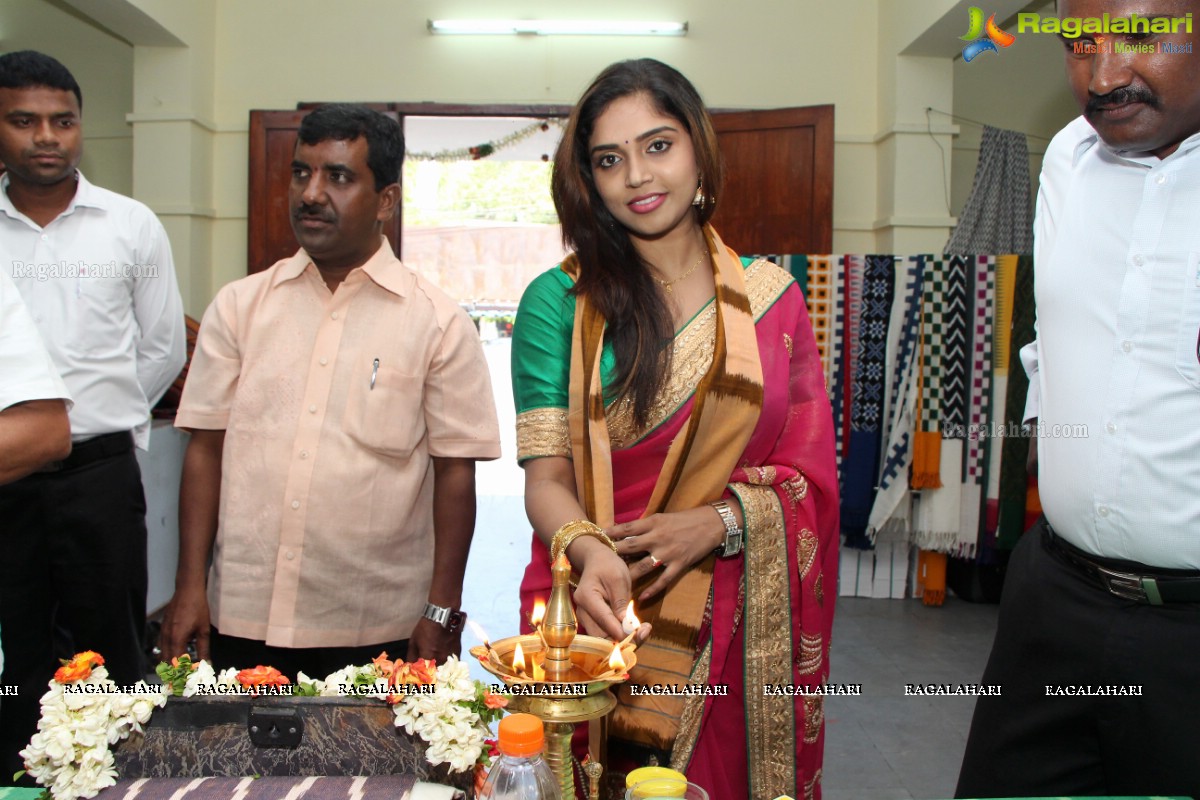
778, 195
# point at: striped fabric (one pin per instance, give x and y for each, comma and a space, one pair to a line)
379, 787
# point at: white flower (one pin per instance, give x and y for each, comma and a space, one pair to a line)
202, 675
228, 677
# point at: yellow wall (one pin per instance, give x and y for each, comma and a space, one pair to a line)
1023, 88
200, 66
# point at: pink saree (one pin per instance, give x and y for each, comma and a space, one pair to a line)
768, 616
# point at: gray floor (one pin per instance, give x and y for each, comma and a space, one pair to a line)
884, 745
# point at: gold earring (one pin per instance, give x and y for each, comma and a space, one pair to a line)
698, 200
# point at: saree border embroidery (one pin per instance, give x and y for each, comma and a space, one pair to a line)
543, 432
810, 788
690, 361
770, 725
692, 356
814, 715
693, 711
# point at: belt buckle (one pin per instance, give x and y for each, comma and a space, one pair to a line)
1127, 586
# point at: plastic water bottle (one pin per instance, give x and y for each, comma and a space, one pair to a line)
520, 773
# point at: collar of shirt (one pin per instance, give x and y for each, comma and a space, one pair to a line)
85, 196
1091, 139
383, 268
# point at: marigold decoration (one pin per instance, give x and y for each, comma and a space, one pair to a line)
70, 755
79, 667
262, 676
486, 149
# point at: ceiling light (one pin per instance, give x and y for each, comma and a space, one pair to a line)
556, 27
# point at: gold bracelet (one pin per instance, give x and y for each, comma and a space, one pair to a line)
572, 531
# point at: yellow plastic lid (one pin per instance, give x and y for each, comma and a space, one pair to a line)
521, 735
657, 782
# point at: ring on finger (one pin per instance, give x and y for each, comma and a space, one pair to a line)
654, 562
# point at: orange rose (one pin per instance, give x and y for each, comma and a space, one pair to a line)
494, 700
384, 665
417, 673
262, 676
79, 668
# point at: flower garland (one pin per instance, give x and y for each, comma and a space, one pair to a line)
84, 712
487, 148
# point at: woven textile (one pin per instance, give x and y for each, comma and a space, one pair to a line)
860, 468
890, 511
1013, 483
998, 215
826, 301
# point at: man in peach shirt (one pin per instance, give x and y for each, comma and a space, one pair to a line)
338, 403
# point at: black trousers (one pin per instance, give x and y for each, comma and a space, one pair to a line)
72, 578
1057, 629
315, 662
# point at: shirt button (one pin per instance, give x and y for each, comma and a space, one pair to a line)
303, 454
312, 409
323, 361
333, 315
1126, 346
1160, 180
289, 555
1138, 261
295, 504
1111, 427
44, 237
1102, 511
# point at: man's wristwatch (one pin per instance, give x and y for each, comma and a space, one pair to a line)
449, 618
735, 536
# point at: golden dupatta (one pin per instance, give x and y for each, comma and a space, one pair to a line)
697, 468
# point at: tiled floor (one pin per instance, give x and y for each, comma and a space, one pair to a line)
884, 745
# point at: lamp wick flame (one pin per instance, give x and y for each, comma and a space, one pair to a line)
616, 660
518, 662
538, 614
479, 632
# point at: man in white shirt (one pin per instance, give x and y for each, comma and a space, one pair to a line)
94, 269
1099, 630
33, 400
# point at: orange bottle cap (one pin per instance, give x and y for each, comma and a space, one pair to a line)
521, 735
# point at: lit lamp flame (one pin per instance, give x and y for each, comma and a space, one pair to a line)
518, 662
616, 661
480, 633
630, 623
538, 614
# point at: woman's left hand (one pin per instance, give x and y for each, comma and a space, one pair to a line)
671, 542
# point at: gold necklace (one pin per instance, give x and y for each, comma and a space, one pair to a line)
666, 285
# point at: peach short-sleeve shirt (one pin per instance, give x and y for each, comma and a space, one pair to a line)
333, 404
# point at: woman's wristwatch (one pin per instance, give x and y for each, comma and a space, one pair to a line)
735, 536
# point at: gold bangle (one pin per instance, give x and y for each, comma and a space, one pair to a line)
572, 531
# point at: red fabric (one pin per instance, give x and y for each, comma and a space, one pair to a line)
794, 434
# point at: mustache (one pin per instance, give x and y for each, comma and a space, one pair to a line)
1120, 97
313, 212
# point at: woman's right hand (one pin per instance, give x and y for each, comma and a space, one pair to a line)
604, 587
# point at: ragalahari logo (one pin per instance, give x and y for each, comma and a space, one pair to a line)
982, 37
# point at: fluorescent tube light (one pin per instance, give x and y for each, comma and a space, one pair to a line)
556, 27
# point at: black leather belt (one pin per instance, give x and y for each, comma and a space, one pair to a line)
1128, 580
83, 453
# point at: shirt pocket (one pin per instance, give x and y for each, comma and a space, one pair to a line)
389, 417
101, 318
1187, 354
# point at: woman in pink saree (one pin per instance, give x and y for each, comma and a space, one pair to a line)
676, 437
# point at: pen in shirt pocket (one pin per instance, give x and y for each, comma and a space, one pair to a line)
374, 372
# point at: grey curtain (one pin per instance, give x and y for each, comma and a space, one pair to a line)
998, 215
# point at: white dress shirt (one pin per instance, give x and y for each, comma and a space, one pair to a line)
26, 371
100, 283
1117, 281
